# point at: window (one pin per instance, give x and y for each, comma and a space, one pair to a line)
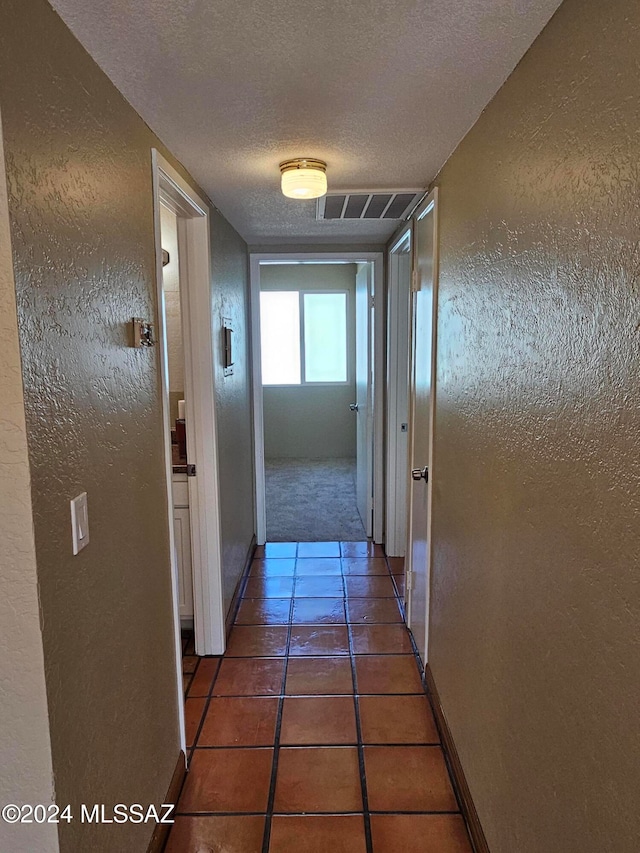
303, 337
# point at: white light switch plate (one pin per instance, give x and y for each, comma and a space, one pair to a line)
80, 522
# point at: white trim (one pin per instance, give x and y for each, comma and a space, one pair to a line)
377, 259
197, 319
397, 361
430, 202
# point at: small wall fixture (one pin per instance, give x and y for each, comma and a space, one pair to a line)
142, 332
304, 178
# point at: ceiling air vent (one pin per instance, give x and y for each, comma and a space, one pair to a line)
368, 204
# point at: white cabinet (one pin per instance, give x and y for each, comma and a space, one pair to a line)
182, 539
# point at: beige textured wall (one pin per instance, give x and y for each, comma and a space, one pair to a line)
233, 400
25, 747
302, 421
80, 203
535, 627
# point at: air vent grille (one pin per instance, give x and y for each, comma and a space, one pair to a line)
367, 204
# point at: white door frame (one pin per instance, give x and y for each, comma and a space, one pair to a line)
170, 189
430, 202
377, 259
398, 359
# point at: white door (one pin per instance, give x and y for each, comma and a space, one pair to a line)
422, 409
364, 396
397, 398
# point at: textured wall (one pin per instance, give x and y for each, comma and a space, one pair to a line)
80, 202
233, 400
25, 746
313, 422
534, 636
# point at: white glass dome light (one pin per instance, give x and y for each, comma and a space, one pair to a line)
304, 178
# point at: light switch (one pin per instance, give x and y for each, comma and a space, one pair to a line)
80, 522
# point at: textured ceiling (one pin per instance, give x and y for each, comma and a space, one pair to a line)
383, 90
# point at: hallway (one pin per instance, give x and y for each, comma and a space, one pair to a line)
312, 732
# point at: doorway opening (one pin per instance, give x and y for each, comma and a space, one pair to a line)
187, 352
317, 408
398, 365
422, 397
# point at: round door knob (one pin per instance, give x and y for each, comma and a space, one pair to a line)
420, 474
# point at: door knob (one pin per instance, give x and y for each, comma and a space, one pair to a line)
420, 474
353, 407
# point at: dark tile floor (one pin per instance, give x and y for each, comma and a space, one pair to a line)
313, 733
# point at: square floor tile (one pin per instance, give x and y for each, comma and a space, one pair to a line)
318, 611
318, 586
318, 549
249, 677
238, 834
205, 672
273, 568
318, 720
232, 721
408, 779
373, 610
397, 719
317, 834
189, 663
380, 639
264, 611
419, 833
313, 676
319, 640
396, 564
247, 641
193, 710
227, 780
269, 587
365, 566
369, 587
318, 779
283, 550
361, 549
321, 567
387, 674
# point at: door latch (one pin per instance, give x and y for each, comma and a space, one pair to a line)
191, 470
420, 473
353, 407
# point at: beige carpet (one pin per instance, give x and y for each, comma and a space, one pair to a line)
312, 500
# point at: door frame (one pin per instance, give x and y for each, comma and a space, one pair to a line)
398, 359
430, 203
171, 190
377, 260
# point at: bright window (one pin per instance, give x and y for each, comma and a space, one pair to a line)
280, 333
325, 337
304, 337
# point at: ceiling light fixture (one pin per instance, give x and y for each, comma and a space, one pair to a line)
304, 177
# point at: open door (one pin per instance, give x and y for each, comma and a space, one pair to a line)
200, 492
422, 400
363, 406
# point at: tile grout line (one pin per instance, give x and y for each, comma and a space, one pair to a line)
361, 765
191, 749
266, 838
421, 673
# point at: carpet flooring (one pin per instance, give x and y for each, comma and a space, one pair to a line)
312, 500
